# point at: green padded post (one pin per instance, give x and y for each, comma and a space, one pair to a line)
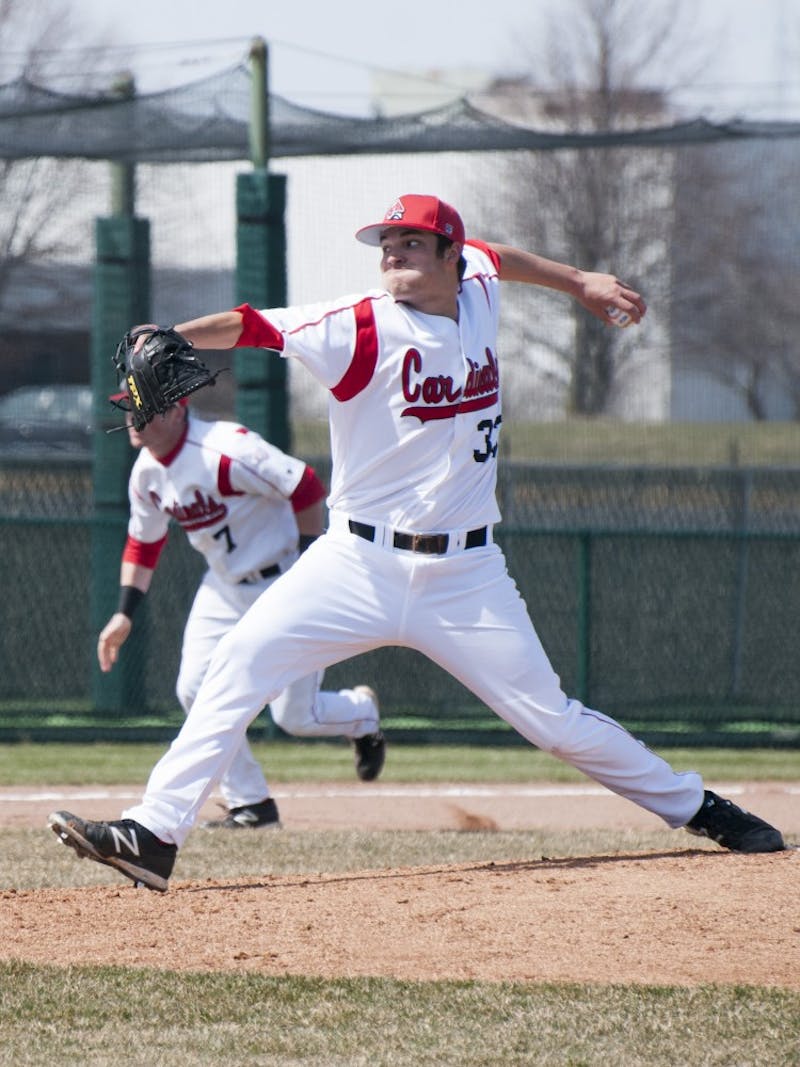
122, 299
261, 379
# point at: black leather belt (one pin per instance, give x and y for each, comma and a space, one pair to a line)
265, 572
429, 544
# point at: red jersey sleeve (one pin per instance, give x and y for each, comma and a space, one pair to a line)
257, 332
490, 252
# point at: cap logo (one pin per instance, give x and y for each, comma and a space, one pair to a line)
448, 229
395, 212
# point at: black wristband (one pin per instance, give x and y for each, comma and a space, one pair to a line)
129, 598
305, 541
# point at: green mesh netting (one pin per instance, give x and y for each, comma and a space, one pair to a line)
209, 120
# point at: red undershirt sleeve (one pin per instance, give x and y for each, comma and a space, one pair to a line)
145, 553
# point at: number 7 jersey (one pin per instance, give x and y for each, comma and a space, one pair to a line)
227, 488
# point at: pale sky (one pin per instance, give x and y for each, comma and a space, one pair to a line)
322, 53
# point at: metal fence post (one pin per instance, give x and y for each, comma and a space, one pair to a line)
740, 589
584, 619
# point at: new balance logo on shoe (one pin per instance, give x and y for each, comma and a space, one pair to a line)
126, 845
121, 842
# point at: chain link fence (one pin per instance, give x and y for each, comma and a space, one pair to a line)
667, 598
665, 595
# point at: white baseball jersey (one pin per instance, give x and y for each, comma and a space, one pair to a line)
414, 401
227, 488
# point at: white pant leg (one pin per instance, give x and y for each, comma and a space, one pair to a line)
303, 710
346, 596
490, 645
216, 609
323, 610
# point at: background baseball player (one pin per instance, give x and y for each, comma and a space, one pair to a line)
244, 505
409, 559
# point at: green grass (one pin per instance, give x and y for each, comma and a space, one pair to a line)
93, 1016
604, 440
97, 1016
594, 441
296, 761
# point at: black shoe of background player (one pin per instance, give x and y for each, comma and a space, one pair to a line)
263, 815
370, 755
369, 750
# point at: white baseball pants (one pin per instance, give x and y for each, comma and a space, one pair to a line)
346, 596
300, 709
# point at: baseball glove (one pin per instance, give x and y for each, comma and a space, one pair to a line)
158, 374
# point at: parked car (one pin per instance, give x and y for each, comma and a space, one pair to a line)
46, 420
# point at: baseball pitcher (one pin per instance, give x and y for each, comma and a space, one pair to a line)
413, 375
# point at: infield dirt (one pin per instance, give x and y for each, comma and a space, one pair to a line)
688, 914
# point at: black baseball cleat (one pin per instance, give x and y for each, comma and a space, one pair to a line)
370, 755
126, 845
733, 827
369, 750
262, 815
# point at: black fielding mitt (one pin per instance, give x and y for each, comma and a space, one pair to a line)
163, 371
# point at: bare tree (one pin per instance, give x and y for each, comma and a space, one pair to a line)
602, 208
736, 271
41, 44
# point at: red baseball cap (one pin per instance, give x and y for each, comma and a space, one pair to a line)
415, 212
